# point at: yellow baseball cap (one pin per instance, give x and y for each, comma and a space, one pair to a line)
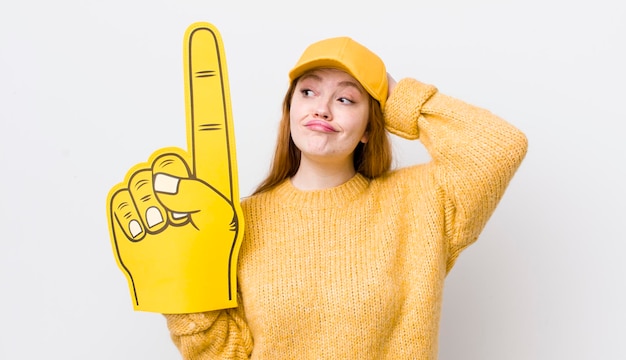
348, 55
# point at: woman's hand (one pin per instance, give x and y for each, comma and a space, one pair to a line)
391, 84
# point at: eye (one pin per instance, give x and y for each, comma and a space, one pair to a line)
306, 92
344, 100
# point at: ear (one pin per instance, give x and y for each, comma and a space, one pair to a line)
366, 137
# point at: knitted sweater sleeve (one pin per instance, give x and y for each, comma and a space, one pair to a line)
220, 334
474, 155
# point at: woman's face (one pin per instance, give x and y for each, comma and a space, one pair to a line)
328, 116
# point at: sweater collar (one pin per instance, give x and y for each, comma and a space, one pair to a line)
337, 196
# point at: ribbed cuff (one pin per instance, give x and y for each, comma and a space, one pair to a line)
404, 107
188, 324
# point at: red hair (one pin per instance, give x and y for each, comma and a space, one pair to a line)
371, 159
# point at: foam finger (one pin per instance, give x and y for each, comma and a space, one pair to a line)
151, 212
167, 170
126, 216
209, 116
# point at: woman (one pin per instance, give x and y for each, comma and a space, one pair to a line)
342, 257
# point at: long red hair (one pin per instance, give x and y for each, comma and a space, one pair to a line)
371, 159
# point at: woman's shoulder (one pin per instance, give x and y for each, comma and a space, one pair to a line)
407, 174
402, 183
253, 198
261, 197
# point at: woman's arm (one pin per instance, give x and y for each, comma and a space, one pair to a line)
475, 154
221, 334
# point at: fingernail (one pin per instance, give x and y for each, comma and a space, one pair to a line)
166, 183
135, 228
153, 216
177, 215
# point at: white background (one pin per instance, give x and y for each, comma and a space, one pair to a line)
89, 88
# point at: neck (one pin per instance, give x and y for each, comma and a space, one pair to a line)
317, 176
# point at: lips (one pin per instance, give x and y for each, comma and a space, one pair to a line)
319, 125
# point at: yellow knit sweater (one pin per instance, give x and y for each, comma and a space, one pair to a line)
357, 271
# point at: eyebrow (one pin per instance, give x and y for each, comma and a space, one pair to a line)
353, 84
345, 83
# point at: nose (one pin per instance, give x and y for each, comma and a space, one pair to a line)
322, 110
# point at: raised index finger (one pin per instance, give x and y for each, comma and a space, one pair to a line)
209, 117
